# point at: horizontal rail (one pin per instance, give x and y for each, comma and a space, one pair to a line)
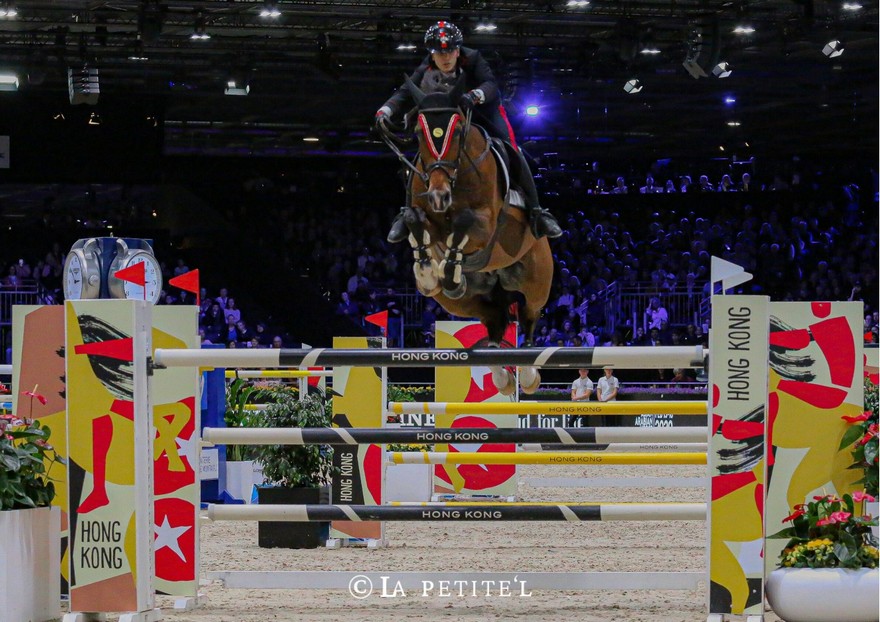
625, 357
278, 373
692, 407
517, 582
358, 436
616, 482
554, 458
642, 448
479, 512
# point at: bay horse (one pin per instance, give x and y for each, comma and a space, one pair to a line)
474, 252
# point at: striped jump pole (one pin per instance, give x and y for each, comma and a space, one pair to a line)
477, 512
643, 448
278, 373
623, 357
692, 407
363, 436
556, 458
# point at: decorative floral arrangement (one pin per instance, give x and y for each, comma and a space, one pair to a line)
862, 436
25, 460
827, 533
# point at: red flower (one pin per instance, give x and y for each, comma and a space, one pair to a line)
839, 517
871, 433
41, 398
3, 388
830, 498
863, 417
859, 496
798, 511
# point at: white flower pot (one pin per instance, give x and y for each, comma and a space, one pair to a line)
824, 594
30, 556
241, 477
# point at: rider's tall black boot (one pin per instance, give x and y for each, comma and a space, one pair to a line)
542, 222
399, 230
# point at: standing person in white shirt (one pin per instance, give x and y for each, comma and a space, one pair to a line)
608, 386
581, 389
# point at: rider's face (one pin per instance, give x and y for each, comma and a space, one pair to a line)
445, 61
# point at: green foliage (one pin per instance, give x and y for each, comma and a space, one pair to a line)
240, 393
25, 460
408, 447
827, 533
862, 436
296, 466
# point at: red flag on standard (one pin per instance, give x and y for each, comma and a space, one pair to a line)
188, 281
379, 319
133, 274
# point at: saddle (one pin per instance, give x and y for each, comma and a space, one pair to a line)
504, 152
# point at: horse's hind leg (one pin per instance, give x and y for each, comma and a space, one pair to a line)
496, 324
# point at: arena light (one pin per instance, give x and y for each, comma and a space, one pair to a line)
270, 10
199, 32
407, 47
722, 70
833, 49
852, 6
8, 82
744, 29
533, 110
486, 26
577, 4
8, 10
633, 86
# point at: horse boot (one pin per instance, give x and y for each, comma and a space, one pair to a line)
541, 221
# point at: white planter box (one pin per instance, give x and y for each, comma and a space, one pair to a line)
409, 482
30, 558
241, 477
824, 594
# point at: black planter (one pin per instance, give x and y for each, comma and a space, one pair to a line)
291, 535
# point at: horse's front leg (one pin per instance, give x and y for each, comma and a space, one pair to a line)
454, 280
425, 266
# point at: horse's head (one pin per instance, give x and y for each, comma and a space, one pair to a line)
439, 128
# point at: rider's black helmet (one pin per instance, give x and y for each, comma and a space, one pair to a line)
443, 37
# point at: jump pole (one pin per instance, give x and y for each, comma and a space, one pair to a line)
358, 436
552, 458
692, 407
474, 512
626, 357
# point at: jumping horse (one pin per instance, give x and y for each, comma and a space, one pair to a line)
474, 252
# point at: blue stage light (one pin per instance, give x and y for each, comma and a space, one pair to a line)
532, 110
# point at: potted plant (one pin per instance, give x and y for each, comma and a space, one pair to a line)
861, 437
828, 569
30, 537
241, 470
294, 474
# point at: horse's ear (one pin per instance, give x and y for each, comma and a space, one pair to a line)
415, 91
458, 88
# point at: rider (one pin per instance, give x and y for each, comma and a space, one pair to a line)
443, 41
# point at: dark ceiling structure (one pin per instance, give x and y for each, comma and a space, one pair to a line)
316, 73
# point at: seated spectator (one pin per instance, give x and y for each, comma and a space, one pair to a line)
262, 335
670, 187
746, 184
222, 298
726, 184
277, 342
649, 187
685, 183
620, 187
231, 311
658, 318
348, 308
705, 184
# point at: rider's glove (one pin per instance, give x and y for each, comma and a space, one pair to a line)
383, 117
471, 99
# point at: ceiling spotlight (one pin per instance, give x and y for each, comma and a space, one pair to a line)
852, 6
649, 49
632, 86
8, 10
199, 32
8, 82
744, 29
577, 4
406, 47
270, 10
532, 110
486, 26
138, 53
722, 70
311, 139
833, 49
733, 123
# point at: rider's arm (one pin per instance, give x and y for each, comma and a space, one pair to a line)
402, 101
482, 73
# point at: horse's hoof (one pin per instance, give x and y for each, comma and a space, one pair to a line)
458, 292
529, 380
503, 381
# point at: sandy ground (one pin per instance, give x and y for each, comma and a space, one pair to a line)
497, 547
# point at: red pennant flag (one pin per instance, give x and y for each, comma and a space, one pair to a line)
136, 274
133, 274
189, 282
379, 319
